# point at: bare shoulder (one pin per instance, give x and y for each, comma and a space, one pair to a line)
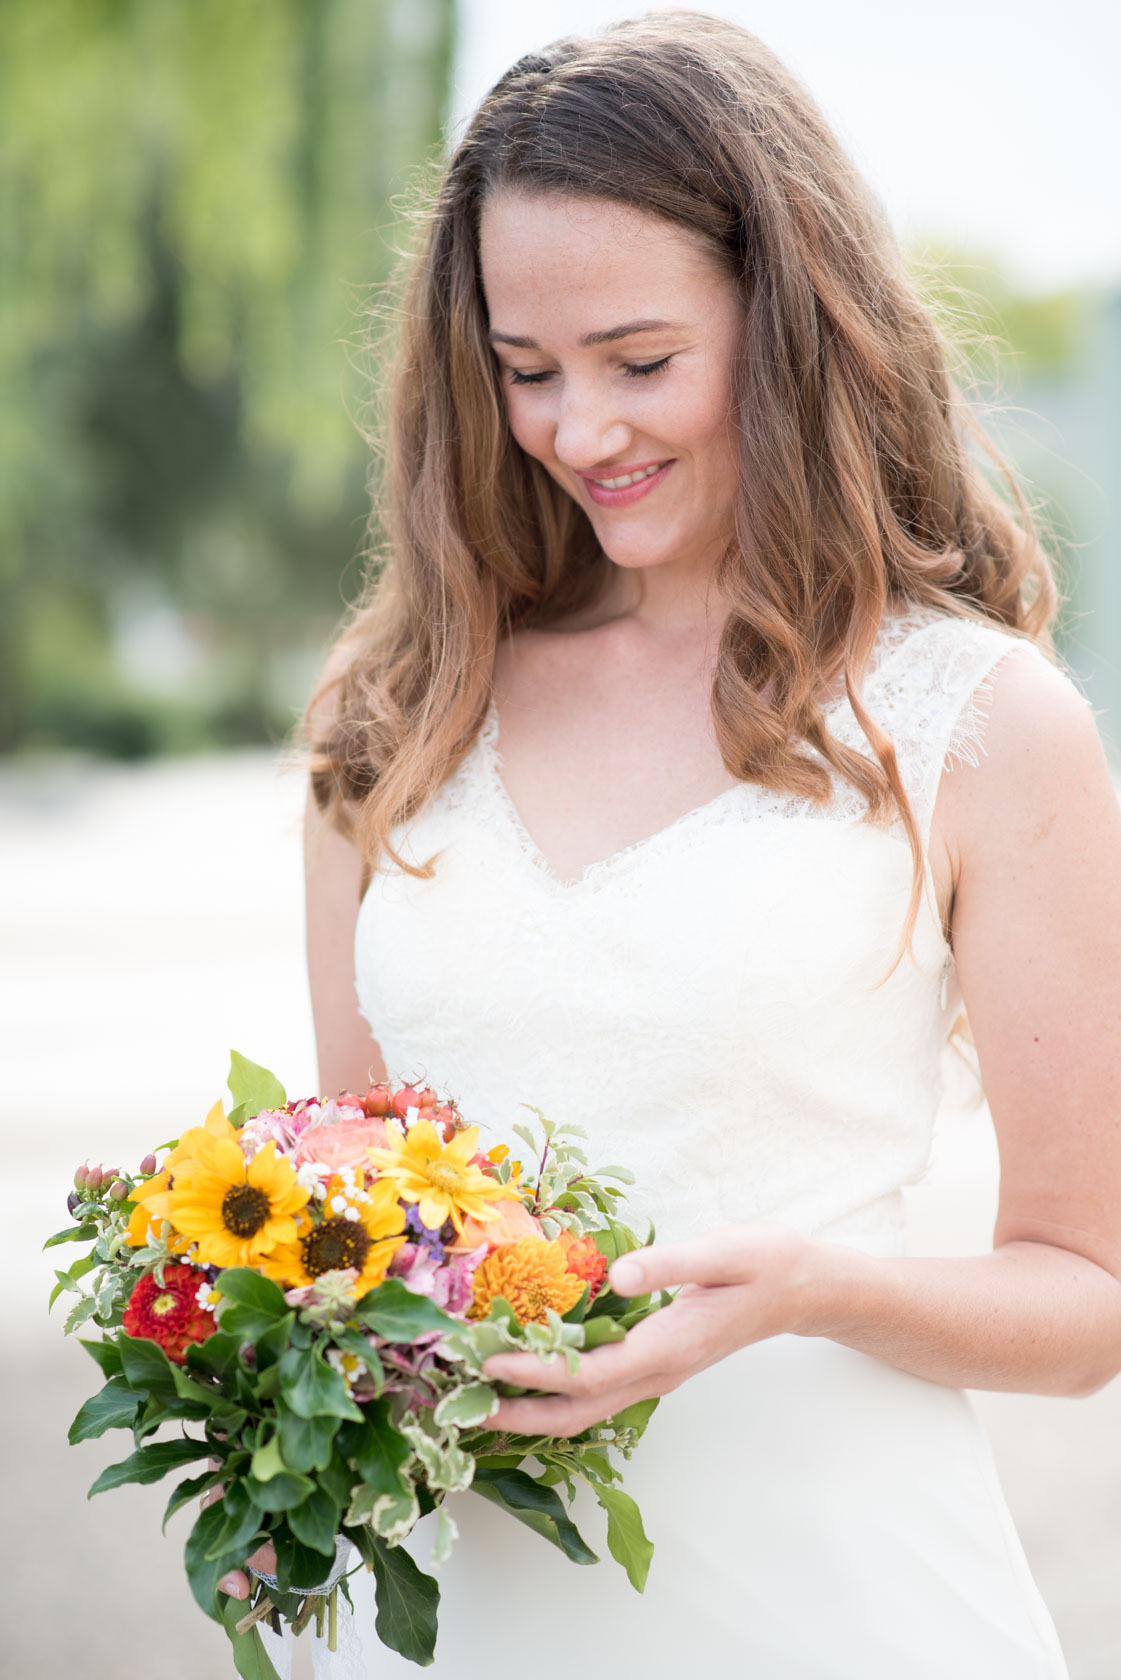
1042, 762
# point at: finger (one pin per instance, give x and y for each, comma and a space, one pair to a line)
234, 1585
718, 1257
526, 1370
264, 1558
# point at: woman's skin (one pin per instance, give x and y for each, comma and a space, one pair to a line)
607, 736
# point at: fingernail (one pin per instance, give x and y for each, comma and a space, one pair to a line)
626, 1277
233, 1586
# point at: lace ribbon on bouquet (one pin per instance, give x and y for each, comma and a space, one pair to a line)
347, 1662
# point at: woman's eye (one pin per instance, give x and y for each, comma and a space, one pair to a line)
519, 378
640, 370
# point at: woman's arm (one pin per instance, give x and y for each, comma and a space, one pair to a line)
349, 1059
1034, 832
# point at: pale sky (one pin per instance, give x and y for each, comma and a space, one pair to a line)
991, 126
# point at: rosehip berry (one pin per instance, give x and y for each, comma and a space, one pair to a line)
148, 1164
377, 1102
93, 1178
427, 1098
404, 1099
80, 1178
118, 1190
108, 1174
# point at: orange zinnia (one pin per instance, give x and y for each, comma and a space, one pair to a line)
532, 1275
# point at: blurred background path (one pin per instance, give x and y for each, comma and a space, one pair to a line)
150, 918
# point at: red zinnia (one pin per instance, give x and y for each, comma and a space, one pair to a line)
584, 1260
168, 1313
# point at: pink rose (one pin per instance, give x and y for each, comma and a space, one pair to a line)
338, 1145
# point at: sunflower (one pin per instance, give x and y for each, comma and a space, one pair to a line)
361, 1229
442, 1178
153, 1197
532, 1275
236, 1210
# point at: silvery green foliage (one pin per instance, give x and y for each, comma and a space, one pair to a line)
576, 1198
473, 1343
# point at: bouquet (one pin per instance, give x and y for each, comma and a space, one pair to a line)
307, 1292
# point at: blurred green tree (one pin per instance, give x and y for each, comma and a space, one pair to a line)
196, 199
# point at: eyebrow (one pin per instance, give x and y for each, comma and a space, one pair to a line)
609, 335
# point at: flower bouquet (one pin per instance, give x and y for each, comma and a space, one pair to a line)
307, 1292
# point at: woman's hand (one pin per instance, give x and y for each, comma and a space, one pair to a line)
236, 1584
740, 1284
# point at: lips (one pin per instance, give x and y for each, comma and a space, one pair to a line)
626, 485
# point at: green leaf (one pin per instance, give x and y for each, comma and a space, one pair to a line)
216, 1357
281, 1492
203, 1571
79, 1312
375, 1448
598, 1331
69, 1280
105, 1354
626, 1538
242, 1522
407, 1601
399, 1315
268, 1461
250, 1657
192, 1488
305, 1443
250, 1289
254, 1085
298, 1567
312, 1388
148, 1368
467, 1407
150, 1464
538, 1507
72, 1233
315, 1523
114, 1407
635, 1417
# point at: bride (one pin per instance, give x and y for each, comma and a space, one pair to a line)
698, 753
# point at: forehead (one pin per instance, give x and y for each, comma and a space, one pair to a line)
575, 255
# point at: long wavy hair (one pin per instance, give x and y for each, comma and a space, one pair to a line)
860, 474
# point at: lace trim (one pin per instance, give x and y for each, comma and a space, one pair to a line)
931, 705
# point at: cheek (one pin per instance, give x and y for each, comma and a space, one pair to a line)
530, 426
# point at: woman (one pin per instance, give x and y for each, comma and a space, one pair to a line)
697, 753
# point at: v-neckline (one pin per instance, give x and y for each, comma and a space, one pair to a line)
487, 741
912, 617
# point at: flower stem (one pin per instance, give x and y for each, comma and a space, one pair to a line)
333, 1621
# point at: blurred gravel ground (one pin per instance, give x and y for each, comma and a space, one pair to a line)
150, 917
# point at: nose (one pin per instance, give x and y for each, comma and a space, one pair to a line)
590, 431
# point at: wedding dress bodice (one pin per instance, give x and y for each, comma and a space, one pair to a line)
711, 1002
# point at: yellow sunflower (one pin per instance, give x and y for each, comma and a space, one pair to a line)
153, 1197
441, 1178
236, 1210
360, 1228
532, 1275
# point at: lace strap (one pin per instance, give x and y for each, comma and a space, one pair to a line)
933, 693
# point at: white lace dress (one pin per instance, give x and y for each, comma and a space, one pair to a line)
705, 1003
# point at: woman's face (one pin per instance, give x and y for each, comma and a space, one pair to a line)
616, 334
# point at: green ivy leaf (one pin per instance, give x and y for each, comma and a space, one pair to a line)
626, 1538
298, 1567
305, 1443
250, 1289
399, 1315
254, 1085
114, 1407
203, 1570
635, 1417
598, 1331
250, 1657
189, 1490
312, 1388
281, 1492
375, 1448
408, 1601
538, 1507
150, 1464
148, 1368
315, 1523
105, 1354
242, 1522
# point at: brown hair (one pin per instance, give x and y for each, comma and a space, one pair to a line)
858, 480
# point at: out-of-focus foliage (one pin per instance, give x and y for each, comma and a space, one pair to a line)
196, 200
